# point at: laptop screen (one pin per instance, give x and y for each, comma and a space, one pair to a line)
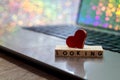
100, 13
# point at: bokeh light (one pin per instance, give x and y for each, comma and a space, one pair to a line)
36, 12
103, 13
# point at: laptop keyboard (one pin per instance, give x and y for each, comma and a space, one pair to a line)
108, 41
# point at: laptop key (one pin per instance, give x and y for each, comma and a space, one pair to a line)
116, 46
116, 50
107, 47
89, 43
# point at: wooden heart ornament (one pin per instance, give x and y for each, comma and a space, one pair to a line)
77, 41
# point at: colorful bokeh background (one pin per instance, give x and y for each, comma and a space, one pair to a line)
101, 13
36, 12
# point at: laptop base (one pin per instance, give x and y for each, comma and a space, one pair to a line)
108, 41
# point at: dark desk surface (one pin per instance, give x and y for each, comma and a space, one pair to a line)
41, 47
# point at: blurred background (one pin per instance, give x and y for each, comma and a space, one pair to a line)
27, 13
36, 12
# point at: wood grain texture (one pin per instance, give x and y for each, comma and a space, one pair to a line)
12, 69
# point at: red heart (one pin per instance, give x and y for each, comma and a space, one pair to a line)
77, 41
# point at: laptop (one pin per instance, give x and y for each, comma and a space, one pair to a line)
98, 17
35, 48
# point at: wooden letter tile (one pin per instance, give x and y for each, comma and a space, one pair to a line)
87, 51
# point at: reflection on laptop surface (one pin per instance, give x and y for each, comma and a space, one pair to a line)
100, 18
